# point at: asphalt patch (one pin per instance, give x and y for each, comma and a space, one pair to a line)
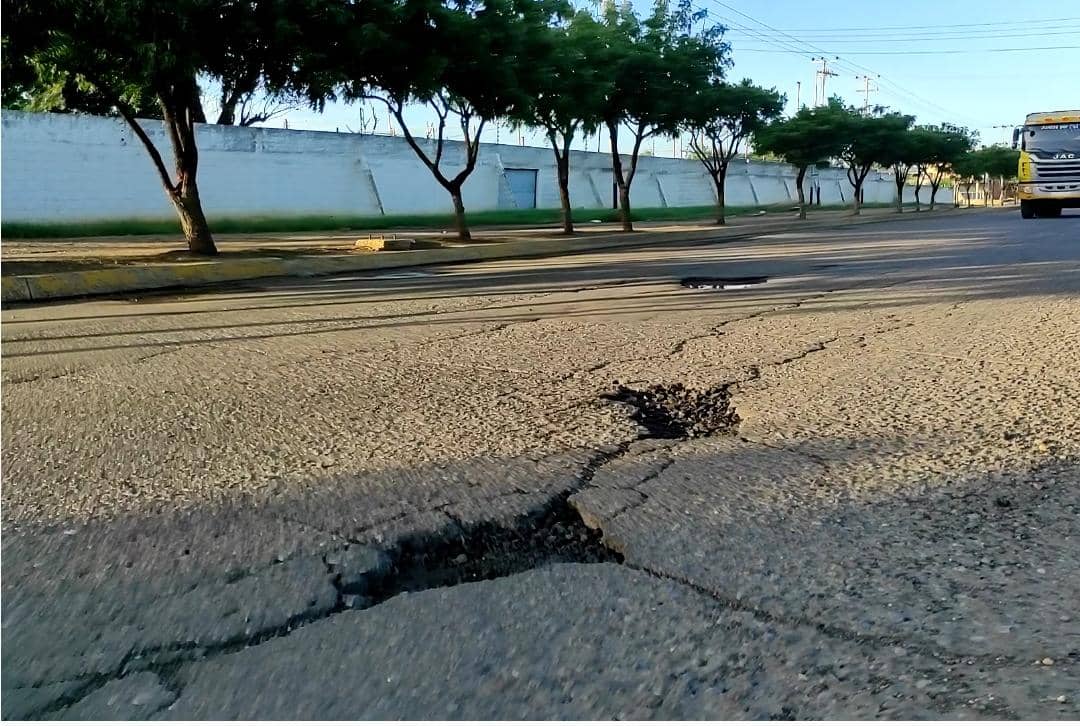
678, 412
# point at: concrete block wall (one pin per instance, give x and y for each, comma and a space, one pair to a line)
71, 168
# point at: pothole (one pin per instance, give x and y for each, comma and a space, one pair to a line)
486, 552
678, 412
722, 283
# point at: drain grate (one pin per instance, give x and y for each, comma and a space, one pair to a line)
722, 283
678, 412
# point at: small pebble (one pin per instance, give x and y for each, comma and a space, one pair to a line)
1062, 698
1047, 661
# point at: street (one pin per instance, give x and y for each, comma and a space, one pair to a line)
831, 474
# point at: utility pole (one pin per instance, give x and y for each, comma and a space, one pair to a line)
798, 96
867, 91
823, 73
1006, 132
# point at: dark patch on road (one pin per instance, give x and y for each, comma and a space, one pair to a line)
485, 551
721, 283
678, 412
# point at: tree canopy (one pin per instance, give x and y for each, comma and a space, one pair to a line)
942, 146
721, 117
470, 63
811, 137
567, 94
658, 69
869, 139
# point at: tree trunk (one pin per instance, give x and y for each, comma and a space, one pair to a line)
900, 179
856, 202
459, 215
933, 193
227, 116
192, 219
563, 168
620, 180
918, 187
799, 178
178, 115
718, 180
624, 208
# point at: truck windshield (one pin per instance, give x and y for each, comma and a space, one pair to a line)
1052, 137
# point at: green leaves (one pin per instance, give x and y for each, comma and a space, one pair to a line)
727, 113
997, 161
659, 67
876, 138
811, 137
943, 145
566, 87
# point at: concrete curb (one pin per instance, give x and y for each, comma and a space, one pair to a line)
59, 285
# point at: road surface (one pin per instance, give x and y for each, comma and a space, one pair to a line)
835, 475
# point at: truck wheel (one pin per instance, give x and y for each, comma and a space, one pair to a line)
1027, 209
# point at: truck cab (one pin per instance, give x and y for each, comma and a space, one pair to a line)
1049, 171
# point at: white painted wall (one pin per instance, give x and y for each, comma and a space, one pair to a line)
61, 167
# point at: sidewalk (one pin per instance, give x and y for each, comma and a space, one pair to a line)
37, 270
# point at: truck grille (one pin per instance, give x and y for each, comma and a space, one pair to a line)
1056, 170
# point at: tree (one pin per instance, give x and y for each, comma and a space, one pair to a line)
989, 161
723, 116
1000, 161
809, 138
470, 61
921, 141
942, 147
567, 96
869, 139
656, 67
129, 55
967, 168
904, 154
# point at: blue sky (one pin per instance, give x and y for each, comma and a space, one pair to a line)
941, 60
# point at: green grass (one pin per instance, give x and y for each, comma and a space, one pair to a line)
327, 223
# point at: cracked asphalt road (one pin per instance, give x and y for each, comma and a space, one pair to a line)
203, 494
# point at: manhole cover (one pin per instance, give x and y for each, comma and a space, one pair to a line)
722, 283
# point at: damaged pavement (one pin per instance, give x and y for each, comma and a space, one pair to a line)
521, 491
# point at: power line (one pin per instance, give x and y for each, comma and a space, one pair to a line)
909, 39
843, 64
946, 51
784, 46
1026, 22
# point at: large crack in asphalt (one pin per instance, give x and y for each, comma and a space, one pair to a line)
555, 532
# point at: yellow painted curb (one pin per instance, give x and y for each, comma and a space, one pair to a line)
14, 289
55, 285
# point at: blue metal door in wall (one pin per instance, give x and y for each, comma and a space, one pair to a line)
522, 183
